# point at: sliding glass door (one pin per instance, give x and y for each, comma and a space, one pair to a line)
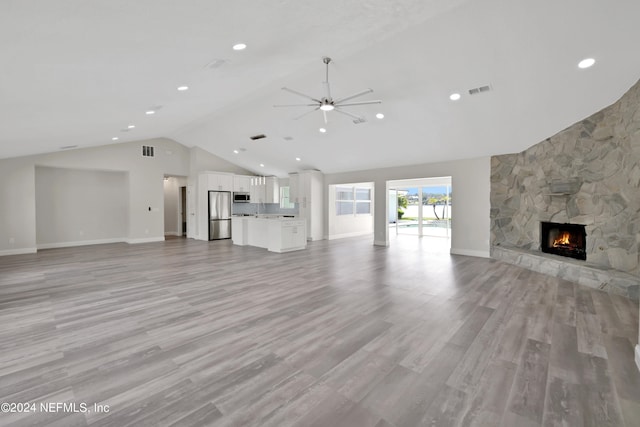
421, 207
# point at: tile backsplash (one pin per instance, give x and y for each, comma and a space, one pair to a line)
264, 208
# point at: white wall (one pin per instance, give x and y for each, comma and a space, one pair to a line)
202, 160
76, 207
470, 180
145, 201
340, 226
470, 189
17, 206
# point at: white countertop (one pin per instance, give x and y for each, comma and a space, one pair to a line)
267, 216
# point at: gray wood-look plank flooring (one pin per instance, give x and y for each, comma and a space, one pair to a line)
191, 333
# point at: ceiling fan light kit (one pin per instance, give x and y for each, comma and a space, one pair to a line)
327, 103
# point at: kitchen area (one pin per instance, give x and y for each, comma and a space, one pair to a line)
279, 215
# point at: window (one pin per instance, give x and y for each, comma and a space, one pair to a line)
353, 201
363, 200
344, 200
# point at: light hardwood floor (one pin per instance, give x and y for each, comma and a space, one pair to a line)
343, 334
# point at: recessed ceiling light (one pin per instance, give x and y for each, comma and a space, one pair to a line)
131, 126
454, 96
150, 112
586, 63
115, 138
239, 46
261, 165
380, 116
322, 130
183, 88
236, 151
298, 159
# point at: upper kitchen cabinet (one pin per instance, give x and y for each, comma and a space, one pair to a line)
242, 183
294, 185
306, 189
272, 190
257, 189
265, 189
220, 181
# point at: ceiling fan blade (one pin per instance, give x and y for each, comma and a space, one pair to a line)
308, 112
296, 105
355, 95
295, 92
324, 113
349, 104
348, 114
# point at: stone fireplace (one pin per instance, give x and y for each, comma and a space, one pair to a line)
587, 175
568, 240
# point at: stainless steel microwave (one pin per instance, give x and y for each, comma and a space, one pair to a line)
241, 197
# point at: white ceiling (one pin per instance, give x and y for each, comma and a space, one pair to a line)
77, 72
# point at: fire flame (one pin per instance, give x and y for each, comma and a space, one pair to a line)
562, 239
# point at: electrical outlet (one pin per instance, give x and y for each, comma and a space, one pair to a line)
81, 232
12, 240
146, 231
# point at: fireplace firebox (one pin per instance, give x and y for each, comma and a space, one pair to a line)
568, 240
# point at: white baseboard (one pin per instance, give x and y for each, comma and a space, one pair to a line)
638, 356
384, 243
345, 235
145, 240
20, 251
468, 252
172, 233
79, 243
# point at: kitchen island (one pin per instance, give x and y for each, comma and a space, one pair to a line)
271, 232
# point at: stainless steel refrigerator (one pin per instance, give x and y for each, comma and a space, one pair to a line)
219, 215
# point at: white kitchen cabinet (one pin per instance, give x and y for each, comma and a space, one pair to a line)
239, 231
294, 181
258, 232
242, 183
308, 187
271, 233
272, 190
264, 189
219, 181
257, 189
287, 235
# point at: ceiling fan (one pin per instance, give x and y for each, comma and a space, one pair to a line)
327, 103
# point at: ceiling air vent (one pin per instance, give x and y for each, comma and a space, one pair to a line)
359, 120
257, 137
147, 151
287, 138
479, 90
215, 64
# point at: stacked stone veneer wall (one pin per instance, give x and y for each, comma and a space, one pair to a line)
603, 152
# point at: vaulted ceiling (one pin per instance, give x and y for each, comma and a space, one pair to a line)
80, 72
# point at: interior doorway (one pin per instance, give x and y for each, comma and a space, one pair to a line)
183, 209
175, 204
421, 207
